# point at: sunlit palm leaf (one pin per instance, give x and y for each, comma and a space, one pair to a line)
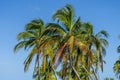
29, 58
24, 36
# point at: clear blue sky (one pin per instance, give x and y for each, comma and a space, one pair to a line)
14, 14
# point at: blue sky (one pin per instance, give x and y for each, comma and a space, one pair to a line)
14, 14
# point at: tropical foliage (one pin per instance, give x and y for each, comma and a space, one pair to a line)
108, 78
116, 67
65, 49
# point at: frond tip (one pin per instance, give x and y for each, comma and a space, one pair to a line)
118, 49
19, 46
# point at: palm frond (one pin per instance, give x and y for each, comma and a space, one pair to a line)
87, 27
104, 42
29, 58
57, 27
24, 35
103, 51
102, 33
34, 24
19, 46
59, 54
65, 15
30, 43
76, 29
118, 49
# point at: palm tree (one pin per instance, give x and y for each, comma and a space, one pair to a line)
99, 49
64, 34
69, 34
31, 39
116, 67
97, 43
75, 44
